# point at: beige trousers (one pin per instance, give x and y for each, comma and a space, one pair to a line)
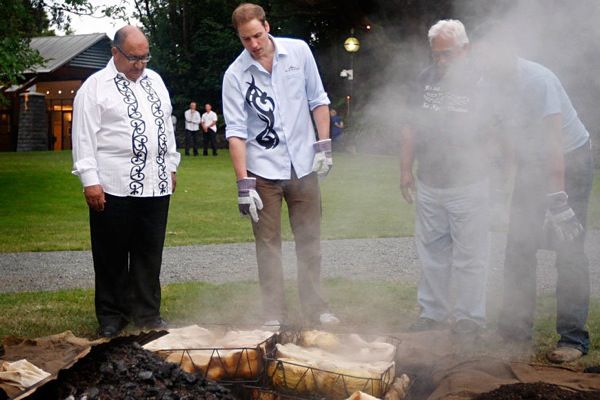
303, 200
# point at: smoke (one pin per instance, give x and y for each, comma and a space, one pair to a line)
559, 34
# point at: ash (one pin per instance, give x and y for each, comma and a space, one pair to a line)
121, 369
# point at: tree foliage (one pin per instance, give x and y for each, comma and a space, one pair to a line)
24, 19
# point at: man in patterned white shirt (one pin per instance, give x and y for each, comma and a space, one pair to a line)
125, 156
269, 93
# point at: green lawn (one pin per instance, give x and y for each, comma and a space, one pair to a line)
42, 206
365, 305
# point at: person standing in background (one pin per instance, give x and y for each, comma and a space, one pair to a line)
209, 128
337, 125
125, 156
192, 126
269, 93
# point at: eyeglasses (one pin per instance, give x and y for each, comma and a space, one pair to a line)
133, 59
448, 53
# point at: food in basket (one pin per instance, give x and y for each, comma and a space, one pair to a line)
335, 366
324, 340
285, 373
216, 355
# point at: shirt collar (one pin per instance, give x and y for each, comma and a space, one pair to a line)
280, 50
111, 71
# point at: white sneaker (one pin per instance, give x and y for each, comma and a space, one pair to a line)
271, 325
328, 319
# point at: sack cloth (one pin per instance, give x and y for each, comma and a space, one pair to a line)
450, 367
459, 380
50, 354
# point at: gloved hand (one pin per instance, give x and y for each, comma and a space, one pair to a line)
560, 218
323, 157
249, 201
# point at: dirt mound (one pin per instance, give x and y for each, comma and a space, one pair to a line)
535, 391
124, 370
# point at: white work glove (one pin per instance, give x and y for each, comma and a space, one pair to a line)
249, 201
561, 219
323, 157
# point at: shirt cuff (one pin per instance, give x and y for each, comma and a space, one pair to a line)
89, 178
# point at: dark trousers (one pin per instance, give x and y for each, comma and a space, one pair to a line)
191, 138
303, 200
525, 238
127, 245
209, 136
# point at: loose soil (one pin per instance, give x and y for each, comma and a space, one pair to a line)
535, 391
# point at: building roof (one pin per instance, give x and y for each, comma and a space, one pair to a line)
73, 49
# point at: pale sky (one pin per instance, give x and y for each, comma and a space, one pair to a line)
83, 25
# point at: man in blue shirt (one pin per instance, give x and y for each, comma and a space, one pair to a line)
550, 199
269, 93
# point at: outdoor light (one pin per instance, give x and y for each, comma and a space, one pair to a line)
352, 45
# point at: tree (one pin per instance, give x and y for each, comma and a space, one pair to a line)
24, 19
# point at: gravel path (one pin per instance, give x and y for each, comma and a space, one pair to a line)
392, 259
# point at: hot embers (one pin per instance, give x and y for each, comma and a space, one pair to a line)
124, 370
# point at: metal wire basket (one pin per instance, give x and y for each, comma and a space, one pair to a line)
296, 379
236, 364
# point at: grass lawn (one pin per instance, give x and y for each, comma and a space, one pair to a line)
368, 305
42, 207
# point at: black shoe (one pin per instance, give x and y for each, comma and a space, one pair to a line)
154, 324
111, 330
466, 327
427, 324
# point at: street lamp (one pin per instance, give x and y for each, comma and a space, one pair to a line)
351, 45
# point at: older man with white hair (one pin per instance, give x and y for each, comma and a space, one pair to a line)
445, 137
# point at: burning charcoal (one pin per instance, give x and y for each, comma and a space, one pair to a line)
121, 367
120, 370
92, 393
107, 368
145, 375
191, 378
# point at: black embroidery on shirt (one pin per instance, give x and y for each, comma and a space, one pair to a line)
265, 107
138, 137
157, 112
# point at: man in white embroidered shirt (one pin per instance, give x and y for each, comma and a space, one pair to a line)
269, 92
124, 153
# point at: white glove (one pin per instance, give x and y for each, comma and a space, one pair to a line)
249, 202
323, 158
561, 219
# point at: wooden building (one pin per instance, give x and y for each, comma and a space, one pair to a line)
40, 109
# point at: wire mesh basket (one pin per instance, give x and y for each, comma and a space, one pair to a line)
228, 364
296, 378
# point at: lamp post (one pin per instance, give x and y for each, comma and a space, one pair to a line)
351, 45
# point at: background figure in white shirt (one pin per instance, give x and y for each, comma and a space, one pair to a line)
125, 155
174, 122
209, 129
269, 93
192, 126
